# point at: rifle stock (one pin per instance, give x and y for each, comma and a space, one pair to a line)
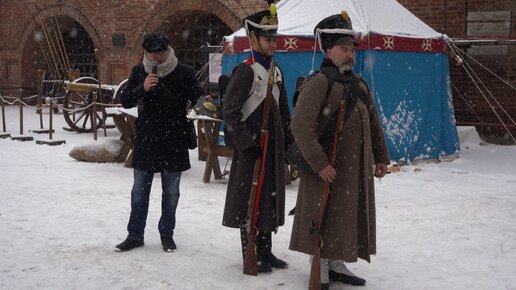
315, 271
250, 259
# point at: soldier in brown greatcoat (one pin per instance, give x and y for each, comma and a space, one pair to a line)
348, 231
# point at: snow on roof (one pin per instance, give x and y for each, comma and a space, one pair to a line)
299, 17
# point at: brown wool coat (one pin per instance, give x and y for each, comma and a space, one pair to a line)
349, 231
245, 134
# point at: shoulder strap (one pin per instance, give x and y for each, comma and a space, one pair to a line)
362, 84
331, 75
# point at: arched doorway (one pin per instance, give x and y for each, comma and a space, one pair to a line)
189, 31
194, 34
58, 44
61, 48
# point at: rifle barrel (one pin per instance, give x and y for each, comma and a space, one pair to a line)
315, 272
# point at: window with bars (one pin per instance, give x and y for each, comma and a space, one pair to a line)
81, 51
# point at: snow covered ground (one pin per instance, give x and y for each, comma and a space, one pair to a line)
440, 226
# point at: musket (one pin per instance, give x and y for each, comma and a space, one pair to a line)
315, 272
250, 260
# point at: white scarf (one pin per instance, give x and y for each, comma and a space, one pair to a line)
168, 66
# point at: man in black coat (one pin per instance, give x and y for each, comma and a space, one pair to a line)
161, 87
243, 109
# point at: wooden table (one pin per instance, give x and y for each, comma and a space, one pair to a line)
208, 131
124, 120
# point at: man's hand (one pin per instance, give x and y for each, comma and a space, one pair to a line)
328, 173
150, 81
208, 97
380, 169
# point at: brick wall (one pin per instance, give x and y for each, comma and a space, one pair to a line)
20, 54
472, 106
20, 57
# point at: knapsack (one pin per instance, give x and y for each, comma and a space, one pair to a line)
293, 154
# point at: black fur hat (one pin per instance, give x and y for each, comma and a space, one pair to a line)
334, 30
155, 41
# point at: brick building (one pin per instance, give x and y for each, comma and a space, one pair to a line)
481, 20
105, 37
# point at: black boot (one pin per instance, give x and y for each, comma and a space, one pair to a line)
168, 244
346, 279
274, 262
264, 246
129, 244
325, 286
263, 267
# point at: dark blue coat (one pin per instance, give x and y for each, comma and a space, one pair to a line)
161, 140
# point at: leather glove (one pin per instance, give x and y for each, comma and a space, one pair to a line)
252, 152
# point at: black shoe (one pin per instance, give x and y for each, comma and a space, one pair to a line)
325, 286
346, 279
274, 262
263, 267
129, 244
168, 244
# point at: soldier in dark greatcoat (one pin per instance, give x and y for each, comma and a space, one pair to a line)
348, 230
242, 109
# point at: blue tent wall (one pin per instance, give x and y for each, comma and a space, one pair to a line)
412, 95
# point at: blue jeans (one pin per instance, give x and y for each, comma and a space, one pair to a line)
140, 203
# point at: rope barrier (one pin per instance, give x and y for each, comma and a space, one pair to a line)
17, 101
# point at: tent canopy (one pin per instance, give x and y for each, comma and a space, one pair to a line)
386, 17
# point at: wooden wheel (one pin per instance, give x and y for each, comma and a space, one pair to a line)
80, 120
118, 92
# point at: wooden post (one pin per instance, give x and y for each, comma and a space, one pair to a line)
3, 114
4, 134
40, 108
50, 115
21, 113
94, 116
21, 137
50, 129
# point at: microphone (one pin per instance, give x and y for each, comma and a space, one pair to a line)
154, 65
154, 70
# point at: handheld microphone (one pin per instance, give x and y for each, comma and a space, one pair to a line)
154, 67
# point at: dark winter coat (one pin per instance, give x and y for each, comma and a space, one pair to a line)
245, 135
349, 229
161, 139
